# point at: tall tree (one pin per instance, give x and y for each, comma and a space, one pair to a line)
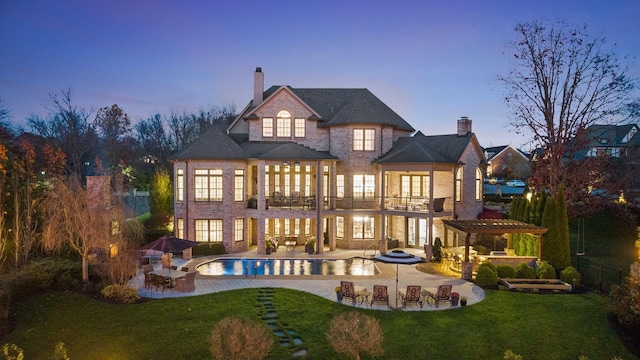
562, 81
114, 128
70, 129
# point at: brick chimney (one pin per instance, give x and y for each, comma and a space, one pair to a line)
258, 86
464, 126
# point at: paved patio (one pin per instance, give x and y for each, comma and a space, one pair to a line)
321, 285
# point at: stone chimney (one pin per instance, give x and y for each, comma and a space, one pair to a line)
464, 126
258, 86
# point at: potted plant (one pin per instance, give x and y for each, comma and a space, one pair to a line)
463, 301
310, 245
338, 290
270, 245
454, 298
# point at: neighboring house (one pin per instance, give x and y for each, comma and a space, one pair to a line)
609, 140
337, 164
507, 162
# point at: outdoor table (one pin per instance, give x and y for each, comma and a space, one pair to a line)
363, 295
170, 273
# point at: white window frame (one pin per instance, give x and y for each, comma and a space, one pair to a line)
267, 127
283, 124
239, 185
208, 230
238, 230
340, 186
180, 185
299, 127
208, 184
364, 139
340, 226
363, 227
364, 186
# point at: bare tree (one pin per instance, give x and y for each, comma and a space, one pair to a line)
114, 128
563, 81
72, 221
69, 128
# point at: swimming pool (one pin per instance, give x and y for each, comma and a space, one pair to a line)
266, 266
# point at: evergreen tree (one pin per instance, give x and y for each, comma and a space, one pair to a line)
549, 239
564, 250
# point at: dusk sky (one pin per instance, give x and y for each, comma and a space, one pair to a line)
430, 61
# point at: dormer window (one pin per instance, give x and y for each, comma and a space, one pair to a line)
283, 124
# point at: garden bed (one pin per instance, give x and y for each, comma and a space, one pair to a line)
534, 284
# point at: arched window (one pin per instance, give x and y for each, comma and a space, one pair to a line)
283, 124
478, 184
459, 184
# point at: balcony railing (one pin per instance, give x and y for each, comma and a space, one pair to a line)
399, 204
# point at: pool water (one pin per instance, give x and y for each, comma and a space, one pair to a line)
255, 266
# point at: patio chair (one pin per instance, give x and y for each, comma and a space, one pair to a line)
185, 269
411, 295
174, 267
187, 282
380, 295
163, 282
348, 291
443, 294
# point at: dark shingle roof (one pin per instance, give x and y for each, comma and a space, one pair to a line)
428, 149
347, 106
215, 144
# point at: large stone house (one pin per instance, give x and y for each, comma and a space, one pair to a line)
337, 164
507, 162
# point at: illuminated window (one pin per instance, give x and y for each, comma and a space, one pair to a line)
296, 227
115, 227
180, 228
299, 128
296, 183
459, 184
209, 230
414, 186
266, 226
266, 184
363, 139
287, 227
307, 226
340, 186
276, 226
363, 227
364, 186
267, 127
180, 185
208, 185
239, 185
307, 184
339, 226
283, 124
478, 184
238, 229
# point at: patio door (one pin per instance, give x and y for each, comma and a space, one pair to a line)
411, 232
422, 232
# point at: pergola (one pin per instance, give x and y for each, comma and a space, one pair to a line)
491, 227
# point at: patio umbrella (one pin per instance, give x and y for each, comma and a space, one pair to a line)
398, 257
169, 244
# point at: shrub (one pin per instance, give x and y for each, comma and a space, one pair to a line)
487, 275
626, 301
234, 338
510, 355
209, 249
505, 271
120, 293
12, 352
352, 333
524, 271
545, 271
569, 274
437, 250
42, 275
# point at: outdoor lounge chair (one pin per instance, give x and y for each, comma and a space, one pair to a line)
187, 282
380, 295
443, 294
348, 291
411, 295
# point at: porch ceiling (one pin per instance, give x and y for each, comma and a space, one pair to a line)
494, 226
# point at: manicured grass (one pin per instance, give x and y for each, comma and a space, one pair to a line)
558, 326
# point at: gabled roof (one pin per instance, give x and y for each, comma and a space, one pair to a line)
611, 135
215, 144
495, 151
336, 107
427, 149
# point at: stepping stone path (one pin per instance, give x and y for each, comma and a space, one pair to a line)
286, 335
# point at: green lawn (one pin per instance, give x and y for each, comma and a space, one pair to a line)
534, 326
